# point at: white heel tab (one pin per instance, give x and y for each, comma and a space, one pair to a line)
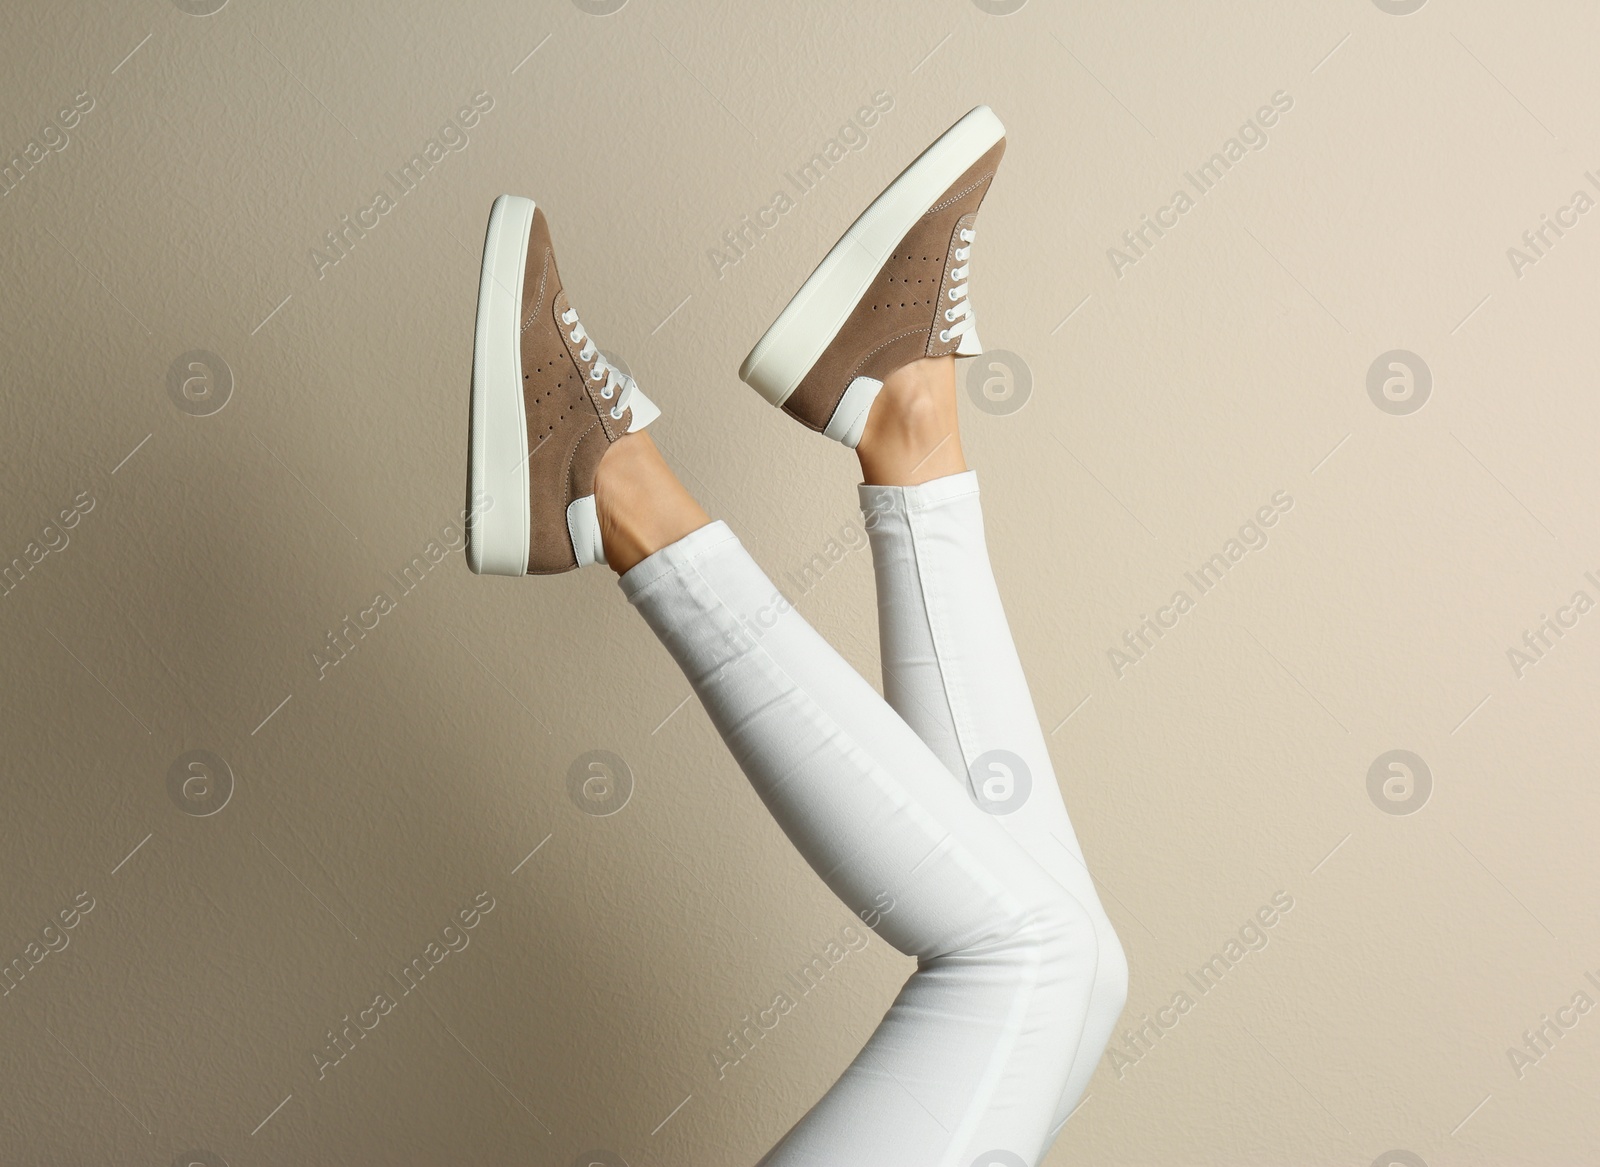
849, 418
583, 526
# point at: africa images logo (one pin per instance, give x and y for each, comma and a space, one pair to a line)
852, 137
1399, 382
1251, 137
451, 138
54, 137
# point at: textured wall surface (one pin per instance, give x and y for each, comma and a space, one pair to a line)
225, 836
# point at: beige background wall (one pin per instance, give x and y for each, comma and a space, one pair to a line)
211, 554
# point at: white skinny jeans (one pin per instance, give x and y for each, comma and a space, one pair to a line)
989, 1045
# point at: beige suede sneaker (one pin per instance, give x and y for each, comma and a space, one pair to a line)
892, 290
545, 406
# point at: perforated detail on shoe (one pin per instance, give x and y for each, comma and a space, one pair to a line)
920, 283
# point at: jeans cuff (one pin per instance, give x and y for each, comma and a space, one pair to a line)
879, 500
674, 557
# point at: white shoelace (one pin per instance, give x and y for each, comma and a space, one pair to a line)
959, 314
603, 370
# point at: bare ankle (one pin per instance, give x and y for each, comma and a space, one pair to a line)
912, 435
640, 504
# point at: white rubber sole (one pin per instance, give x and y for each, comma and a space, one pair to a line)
500, 514
787, 351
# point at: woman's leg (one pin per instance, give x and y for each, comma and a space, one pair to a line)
950, 668
967, 1060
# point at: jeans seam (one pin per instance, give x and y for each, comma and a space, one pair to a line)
929, 604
